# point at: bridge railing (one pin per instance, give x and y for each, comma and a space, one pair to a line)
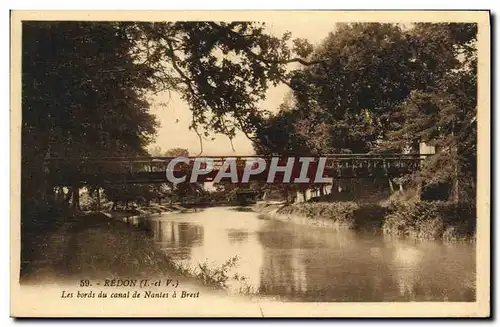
153, 169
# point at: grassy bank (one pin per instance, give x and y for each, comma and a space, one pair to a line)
419, 220
64, 247
342, 214
91, 246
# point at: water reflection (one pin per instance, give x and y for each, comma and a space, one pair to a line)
433, 271
305, 263
284, 274
177, 238
237, 235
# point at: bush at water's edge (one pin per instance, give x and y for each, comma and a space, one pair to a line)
431, 220
343, 214
422, 220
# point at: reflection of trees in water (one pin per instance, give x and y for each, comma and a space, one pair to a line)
237, 235
326, 275
143, 224
174, 234
309, 264
283, 274
285, 236
291, 267
407, 261
431, 271
303, 263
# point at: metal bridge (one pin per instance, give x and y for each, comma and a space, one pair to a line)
150, 170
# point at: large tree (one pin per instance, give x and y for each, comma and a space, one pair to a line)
387, 88
222, 70
74, 102
345, 101
86, 84
442, 110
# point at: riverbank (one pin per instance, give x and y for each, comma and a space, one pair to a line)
92, 245
435, 220
97, 246
146, 211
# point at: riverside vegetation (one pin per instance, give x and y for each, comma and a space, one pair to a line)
433, 220
424, 92
94, 244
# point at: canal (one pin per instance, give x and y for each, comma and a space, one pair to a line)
291, 262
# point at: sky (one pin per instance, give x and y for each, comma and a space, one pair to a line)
174, 114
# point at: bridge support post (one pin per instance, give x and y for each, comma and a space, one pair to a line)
419, 185
98, 198
49, 194
391, 187
76, 197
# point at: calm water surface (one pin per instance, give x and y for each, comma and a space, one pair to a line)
306, 263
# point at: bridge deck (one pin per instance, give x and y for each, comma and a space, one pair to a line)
122, 170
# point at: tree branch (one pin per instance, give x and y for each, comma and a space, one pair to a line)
289, 61
261, 58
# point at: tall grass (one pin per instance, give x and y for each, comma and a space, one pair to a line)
221, 276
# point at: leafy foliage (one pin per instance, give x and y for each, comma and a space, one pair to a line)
87, 85
74, 101
346, 100
387, 88
222, 70
218, 276
443, 111
430, 220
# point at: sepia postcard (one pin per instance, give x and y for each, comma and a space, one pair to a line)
250, 164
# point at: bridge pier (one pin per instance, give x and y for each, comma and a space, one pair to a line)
321, 190
391, 186
303, 195
98, 198
76, 197
49, 194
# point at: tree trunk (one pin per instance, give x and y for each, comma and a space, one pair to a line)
69, 195
455, 191
98, 199
76, 197
49, 195
455, 187
391, 187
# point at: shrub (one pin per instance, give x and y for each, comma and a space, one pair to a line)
346, 214
430, 220
415, 219
218, 276
369, 217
